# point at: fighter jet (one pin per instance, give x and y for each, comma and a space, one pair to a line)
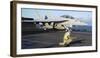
55, 22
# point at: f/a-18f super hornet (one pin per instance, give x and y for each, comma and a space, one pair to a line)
54, 22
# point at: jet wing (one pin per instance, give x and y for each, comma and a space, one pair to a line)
51, 19
60, 21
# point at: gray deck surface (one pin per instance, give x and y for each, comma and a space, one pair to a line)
52, 39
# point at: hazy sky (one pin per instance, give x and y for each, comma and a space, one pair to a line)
85, 16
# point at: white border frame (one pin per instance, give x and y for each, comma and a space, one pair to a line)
52, 50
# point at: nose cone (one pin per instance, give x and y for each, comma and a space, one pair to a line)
78, 22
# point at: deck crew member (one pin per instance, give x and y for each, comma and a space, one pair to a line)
66, 39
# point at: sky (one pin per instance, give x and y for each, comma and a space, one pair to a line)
85, 16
